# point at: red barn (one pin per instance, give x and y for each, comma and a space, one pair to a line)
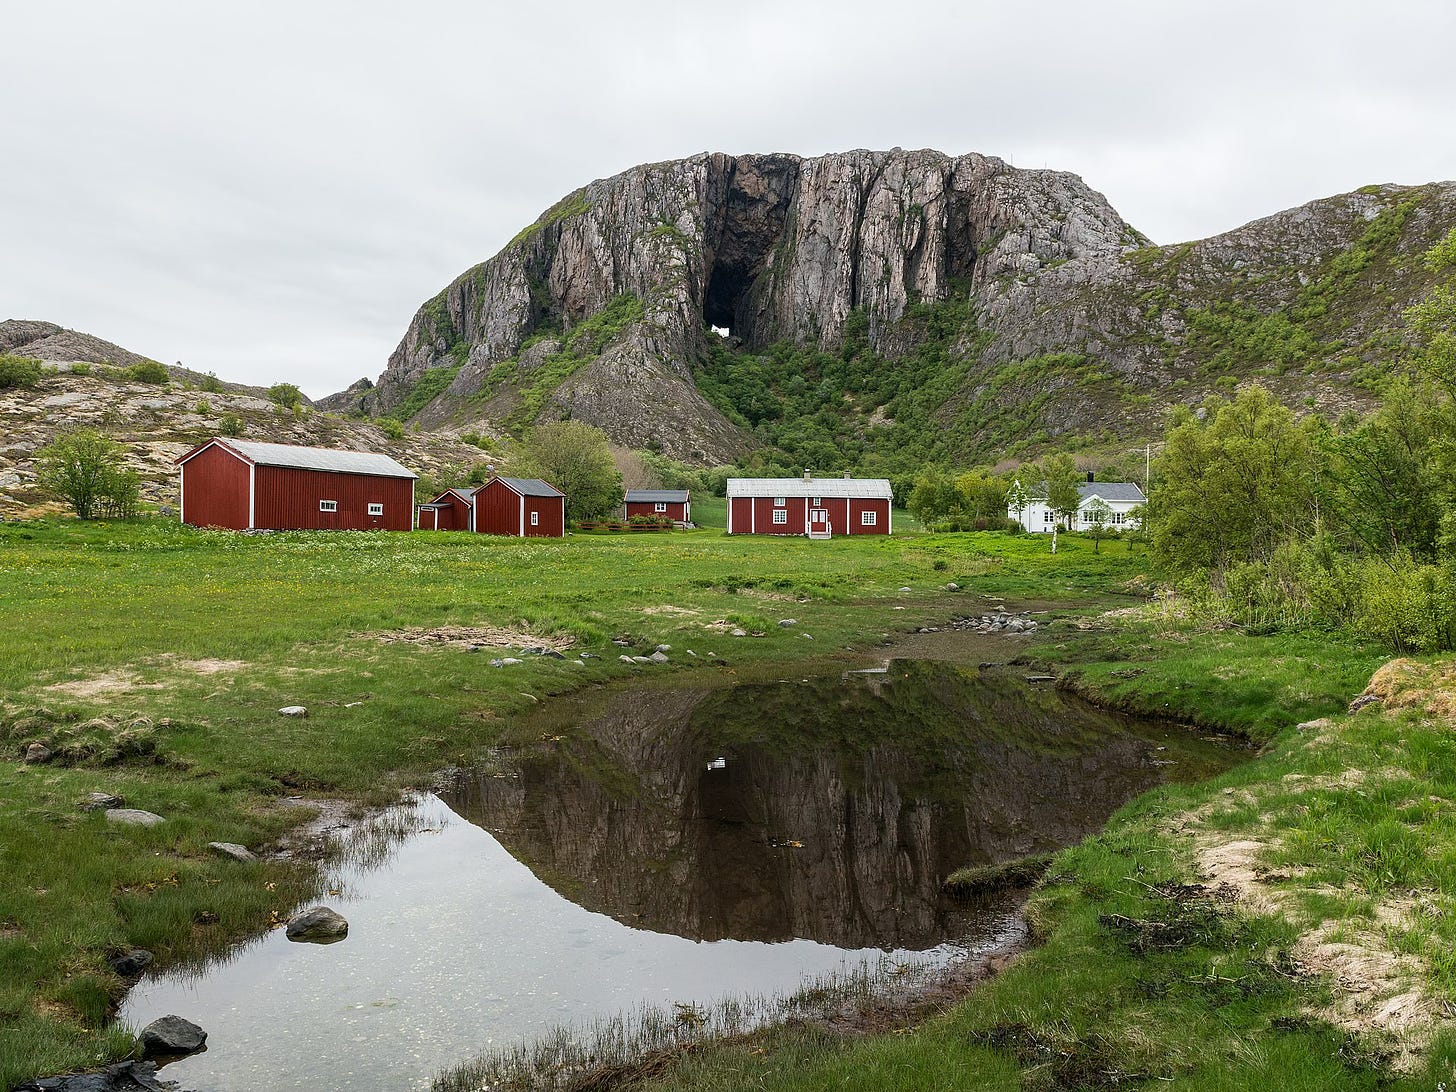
817, 507
279, 487
524, 507
673, 504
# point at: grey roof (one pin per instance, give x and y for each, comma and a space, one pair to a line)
531, 487
1112, 491
320, 458
873, 488
657, 496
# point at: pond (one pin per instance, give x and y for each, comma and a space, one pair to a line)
667, 845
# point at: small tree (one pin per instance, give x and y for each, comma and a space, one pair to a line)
1017, 498
85, 469
210, 383
286, 395
576, 459
18, 371
1098, 514
230, 424
1062, 479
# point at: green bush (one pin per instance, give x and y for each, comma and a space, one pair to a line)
285, 395
230, 425
18, 371
80, 368
391, 428
203, 406
148, 371
211, 383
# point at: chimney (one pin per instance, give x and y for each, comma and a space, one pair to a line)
808, 477
1089, 475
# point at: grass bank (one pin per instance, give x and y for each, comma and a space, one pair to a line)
152, 659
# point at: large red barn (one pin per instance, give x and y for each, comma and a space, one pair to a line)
673, 504
524, 507
817, 507
280, 487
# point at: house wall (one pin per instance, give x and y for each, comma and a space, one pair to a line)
755, 515
1035, 517
552, 512
499, 511
675, 510
286, 499
214, 490
454, 518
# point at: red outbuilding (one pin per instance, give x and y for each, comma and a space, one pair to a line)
817, 507
280, 487
673, 504
524, 507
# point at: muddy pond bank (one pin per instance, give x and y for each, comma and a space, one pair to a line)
664, 844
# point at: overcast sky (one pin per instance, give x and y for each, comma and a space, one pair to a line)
269, 190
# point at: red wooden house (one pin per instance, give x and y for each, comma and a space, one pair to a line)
673, 504
817, 507
524, 507
279, 487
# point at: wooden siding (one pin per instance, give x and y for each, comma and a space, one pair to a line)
287, 499
675, 510
754, 515
214, 488
454, 518
499, 511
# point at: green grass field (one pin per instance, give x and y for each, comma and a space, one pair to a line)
153, 660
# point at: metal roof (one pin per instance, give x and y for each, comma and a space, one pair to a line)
870, 488
1112, 491
657, 496
319, 458
530, 487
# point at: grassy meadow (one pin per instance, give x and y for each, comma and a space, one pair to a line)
153, 659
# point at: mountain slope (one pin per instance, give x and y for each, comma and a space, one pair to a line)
1068, 325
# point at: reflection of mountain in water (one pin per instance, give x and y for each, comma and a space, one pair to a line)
890, 782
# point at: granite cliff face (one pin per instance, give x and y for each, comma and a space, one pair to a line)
775, 248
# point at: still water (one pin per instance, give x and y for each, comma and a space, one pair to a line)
668, 844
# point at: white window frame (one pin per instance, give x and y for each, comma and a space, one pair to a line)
869, 519
328, 506
818, 502
535, 519
780, 502
781, 517
660, 506
376, 509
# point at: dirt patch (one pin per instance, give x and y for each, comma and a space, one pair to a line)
474, 637
670, 611
120, 681
207, 667
1405, 684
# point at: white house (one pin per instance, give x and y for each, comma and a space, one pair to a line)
1120, 498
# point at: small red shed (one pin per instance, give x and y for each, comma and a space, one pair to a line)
817, 507
673, 504
246, 486
524, 507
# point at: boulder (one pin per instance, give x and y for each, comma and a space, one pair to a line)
788, 622
233, 850
625, 659
663, 648
132, 963
36, 754
293, 711
172, 1035
95, 801
123, 1077
134, 817
658, 657
317, 924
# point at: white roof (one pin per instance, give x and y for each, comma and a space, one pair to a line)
864, 488
319, 458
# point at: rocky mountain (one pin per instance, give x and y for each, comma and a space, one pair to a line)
1070, 325
157, 422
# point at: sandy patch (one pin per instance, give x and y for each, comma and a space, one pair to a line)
208, 667
671, 611
475, 637
120, 681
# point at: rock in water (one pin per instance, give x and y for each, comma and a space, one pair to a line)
124, 1077
318, 924
133, 817
132, 963
172, 1035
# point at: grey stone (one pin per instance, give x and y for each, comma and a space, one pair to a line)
952, 587
739, 633
658, 657
788, 622
663, 648
132, 963
293, 711
904, 589
317, 924
133, 817
233, 850
552, 654
97, 800
641, 659
172, 1035
37, 754
1362, 701
625, 659
122, 1077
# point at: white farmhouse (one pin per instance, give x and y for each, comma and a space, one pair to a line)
1120, 498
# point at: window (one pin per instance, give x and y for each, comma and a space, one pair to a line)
328, 506
779, 502
867, 519
1117, 517
818, 501
660, 506
535, 519
1046, 517
376, 509
781, 517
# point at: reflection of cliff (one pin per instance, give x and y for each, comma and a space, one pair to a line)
889, 783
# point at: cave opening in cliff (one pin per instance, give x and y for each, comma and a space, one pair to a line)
747, 222
727, 286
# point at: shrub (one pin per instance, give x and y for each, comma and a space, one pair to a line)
18, 371
86, 470
80, 368
211, 383
203, 406
148, 371
391, 428
230, 425
285, 395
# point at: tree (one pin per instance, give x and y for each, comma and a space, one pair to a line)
934, 499
18, 371
1097, 513
149, 371
286, 395
85, 469
1062, 478
576, 459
